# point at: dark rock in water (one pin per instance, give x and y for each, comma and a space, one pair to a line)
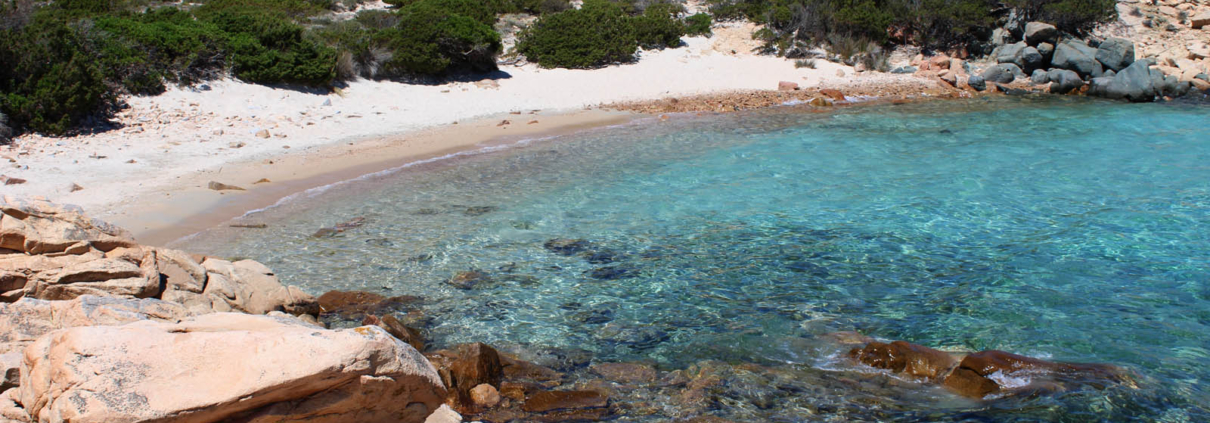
614, 272
977, 83
601, 256
508, 267
561, 359
420, 258
356, 304
1012, 91
1038, 33
426, 212
470, 279
567, 247
594, 317
1116, 53
380, 242
479, 210
809, 268
1063, 81
1038, 77
946, 132
1075, 55
340, 227
546, 401
903, 358
1002, 73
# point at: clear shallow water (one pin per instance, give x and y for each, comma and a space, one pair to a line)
1066, 229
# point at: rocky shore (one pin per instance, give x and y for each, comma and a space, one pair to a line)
97, 328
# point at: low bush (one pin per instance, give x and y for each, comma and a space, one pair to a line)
658, 27
698, 25
597, 34
431, 40
50, 81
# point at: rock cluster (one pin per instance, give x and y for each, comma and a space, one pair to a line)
1065, 64
96, 328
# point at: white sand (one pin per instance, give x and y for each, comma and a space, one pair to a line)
180, 139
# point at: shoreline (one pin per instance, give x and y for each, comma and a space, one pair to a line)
150, 175
191, 207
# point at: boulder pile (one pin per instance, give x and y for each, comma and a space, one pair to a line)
1064, 64
97, 328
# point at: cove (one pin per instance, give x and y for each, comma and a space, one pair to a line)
1062, 228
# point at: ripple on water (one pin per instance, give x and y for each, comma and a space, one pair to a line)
1075, 230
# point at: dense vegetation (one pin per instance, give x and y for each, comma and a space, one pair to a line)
853, 26
66, 63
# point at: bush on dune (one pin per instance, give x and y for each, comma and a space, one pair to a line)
597, 34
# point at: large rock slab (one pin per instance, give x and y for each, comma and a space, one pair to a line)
28, 319
1116, 53
1133, 83
40, 227
1063, 81
226, 367
1077, 56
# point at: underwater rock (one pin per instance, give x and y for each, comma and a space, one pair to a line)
340, 227
594, 317
479, 210
470, 279
625, 372
563, 400
567, 247
356, 304
904, 358
614, 272
601, 256
984, 373
809, 268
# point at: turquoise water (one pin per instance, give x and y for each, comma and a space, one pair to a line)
1066, 229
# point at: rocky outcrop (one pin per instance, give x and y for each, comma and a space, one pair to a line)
1002, 73
224, 367
1039, 32
1115, 53
54, 252
1063, 81
1077, 56
984, 373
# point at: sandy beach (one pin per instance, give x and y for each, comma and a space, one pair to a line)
151, 176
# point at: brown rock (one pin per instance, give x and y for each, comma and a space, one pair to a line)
402, 332
9, 180
264, 133
40, 227
940, 62
226, 367
546, 401
75, 187
465, 367
517, 369
469, 279
219, 186
356, 304
625, 372
833, 94
980, 374
485, 395
909, 359
786, 86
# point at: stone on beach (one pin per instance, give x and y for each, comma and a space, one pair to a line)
1077, 56
1115, 53
219, 186
786, 86
1039, 32
1002, 73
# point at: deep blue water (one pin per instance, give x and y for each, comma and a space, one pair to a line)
1066, 229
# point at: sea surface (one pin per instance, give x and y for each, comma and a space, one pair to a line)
1061, 228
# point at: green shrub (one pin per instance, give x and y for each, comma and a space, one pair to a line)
597, 34
658, 27
267, 47
698, 24
49, 81
163, 43
431, 40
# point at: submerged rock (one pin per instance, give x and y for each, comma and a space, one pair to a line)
984, 373
357, 304
470, 279
564, 400
614, 272
465, 367
567, 247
